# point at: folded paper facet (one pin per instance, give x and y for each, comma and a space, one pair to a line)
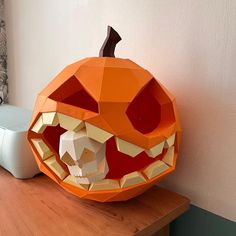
132, 179
42, 148
56, 167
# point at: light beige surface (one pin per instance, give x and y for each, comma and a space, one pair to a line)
156, 150
131, 179
104, 184
155, 169
169, 156
42, 148
170, 141
128, 148
70, 123
39, 126
50, 118
189, 45
55, 167
97, 134
71, 180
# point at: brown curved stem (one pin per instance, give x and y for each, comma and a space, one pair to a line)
108, 47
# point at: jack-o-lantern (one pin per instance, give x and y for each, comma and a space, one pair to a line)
105, 128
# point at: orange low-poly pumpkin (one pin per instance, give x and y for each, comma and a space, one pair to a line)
105, 129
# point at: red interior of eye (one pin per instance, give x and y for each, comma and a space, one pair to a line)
144, 111
83, 100
119, 163
73, 93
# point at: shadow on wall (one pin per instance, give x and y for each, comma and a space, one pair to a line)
206, 102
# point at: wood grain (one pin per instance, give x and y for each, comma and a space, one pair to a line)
38, 206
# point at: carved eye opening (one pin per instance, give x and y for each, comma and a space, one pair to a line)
73, 93
150, 109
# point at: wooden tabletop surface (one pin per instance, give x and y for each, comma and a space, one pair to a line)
38, 206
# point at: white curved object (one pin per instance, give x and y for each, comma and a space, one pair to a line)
15, 153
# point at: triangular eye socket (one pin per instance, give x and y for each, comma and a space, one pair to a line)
144, 111
73, 93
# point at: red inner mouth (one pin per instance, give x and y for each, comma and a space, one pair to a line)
119, 163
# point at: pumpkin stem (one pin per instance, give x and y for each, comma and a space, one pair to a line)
108, 47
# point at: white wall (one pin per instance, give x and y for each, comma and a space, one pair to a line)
189, 45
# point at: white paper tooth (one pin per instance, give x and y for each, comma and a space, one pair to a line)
70, 123
170, 141
55, 167
169, 156
128, 148
97, 134
155, 150
104, 184
39, 126
50, 118
132, 179
71, 180
42, 148
155, 169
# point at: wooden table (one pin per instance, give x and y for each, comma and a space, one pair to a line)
38, 206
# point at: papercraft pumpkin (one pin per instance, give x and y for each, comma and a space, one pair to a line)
105, 129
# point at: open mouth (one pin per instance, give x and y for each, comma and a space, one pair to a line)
87, 157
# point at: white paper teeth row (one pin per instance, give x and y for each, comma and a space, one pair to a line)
133, 150
70, 124
97, 134
155, 169
55, 118
157, 149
